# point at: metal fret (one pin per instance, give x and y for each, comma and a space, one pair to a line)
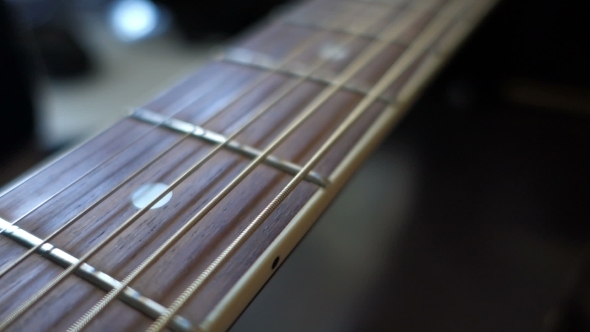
406, 5
418, 47
212, 137
130, 296
310, 19
260, 61
334, 82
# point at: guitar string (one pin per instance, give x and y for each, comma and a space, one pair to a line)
179, 109
56, 160
156, 199
111, 157
116, 154
17, 312
267, 74
392, 74
193, 99
85, 319
164, 247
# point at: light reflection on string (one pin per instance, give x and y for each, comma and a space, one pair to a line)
178, 106
418, 46
275, 98
395, 29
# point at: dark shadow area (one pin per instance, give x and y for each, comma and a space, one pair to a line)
500, 226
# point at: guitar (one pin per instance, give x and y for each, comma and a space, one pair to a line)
176, 216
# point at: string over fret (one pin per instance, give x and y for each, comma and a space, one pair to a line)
252, 60
300, 89
420, 45
97, 278
265, 107
215, 138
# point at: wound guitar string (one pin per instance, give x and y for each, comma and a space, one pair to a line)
304, 171
421, 44
150, 260
395, 71
196, 93
54, 282
386, 82
177, 107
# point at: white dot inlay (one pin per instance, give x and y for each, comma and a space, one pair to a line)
334, 52
145, 194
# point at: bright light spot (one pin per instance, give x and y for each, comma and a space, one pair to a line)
333, 52
134, 19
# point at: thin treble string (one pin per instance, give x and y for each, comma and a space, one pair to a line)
116, 154
392, 74
210, 85
85, 319
109, 297
182, 104
150, 260
177, 107
27, 304
184, 101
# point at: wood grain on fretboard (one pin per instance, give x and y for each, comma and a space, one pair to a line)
337, 33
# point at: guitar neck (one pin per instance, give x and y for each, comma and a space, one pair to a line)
177, 215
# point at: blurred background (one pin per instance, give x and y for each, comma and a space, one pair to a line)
77, 65
472, 216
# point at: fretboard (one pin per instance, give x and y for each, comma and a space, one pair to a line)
177, 215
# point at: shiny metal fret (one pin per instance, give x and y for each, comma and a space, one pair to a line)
102, 280
260, 61
212, 137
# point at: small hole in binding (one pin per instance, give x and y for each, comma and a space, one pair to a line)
275, 263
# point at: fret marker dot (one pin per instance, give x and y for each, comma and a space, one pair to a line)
145, 194
333, 52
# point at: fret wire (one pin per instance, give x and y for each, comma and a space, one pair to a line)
353, 68
240, 148
351, 29
209, 87
420, 45
408, 5
177, 107
41, 293
300, 48
336, 29
4, 193
88, 316
97, 278
267, 66
184, 101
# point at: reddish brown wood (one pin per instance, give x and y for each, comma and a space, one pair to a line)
214, 110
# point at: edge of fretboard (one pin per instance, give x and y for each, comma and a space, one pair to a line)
242, 293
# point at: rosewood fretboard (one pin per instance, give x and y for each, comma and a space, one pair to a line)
240, 159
